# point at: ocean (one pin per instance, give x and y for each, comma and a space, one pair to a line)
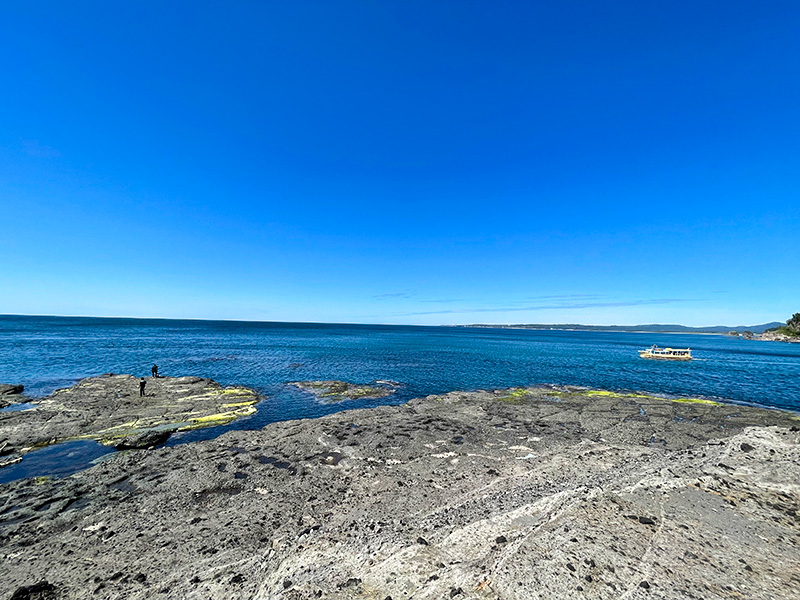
47, 353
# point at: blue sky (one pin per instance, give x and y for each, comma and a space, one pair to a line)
401, 162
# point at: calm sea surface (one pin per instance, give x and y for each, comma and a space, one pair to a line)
47, 353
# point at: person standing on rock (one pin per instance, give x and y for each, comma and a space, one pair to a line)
154, 371
142, 383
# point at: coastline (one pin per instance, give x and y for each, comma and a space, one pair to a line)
512, 493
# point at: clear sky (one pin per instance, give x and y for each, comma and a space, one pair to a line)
401, 161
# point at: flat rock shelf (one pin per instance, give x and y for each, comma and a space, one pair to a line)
524, 493
111, 410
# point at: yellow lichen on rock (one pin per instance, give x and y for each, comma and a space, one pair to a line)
235, 404
696, 401
238, 390
600, 393
515, 395
222, 418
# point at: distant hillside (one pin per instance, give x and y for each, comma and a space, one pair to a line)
652, 328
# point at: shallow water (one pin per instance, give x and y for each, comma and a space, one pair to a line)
47, 353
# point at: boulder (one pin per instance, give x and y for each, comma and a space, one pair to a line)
146, 439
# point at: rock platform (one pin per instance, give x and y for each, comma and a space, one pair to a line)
535, 493
110, 410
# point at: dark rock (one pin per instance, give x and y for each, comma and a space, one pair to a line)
456, 592
144, 440
10, 394
140, 578
500, 539
644, 585
746, 447
646, 521
422, 540
38, 591
287, 583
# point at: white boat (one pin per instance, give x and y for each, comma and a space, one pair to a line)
666, 353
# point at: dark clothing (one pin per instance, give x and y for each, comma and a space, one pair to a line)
154, 371
142, 383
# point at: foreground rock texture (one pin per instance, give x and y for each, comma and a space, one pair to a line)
518, 494
110, 410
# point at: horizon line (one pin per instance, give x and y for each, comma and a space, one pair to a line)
476, 325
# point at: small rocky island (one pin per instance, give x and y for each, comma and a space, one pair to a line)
557, 493
109, 409
338, 391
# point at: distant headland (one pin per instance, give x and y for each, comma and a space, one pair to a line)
776, 331
652, 328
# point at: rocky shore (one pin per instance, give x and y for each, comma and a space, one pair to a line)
551, 493
776, 336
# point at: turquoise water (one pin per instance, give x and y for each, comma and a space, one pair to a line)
46, 353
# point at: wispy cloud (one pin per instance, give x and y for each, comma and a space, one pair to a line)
561, 306
565, 297
524, 301
34, 148
393, 295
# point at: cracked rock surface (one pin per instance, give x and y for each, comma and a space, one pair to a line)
544, 493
